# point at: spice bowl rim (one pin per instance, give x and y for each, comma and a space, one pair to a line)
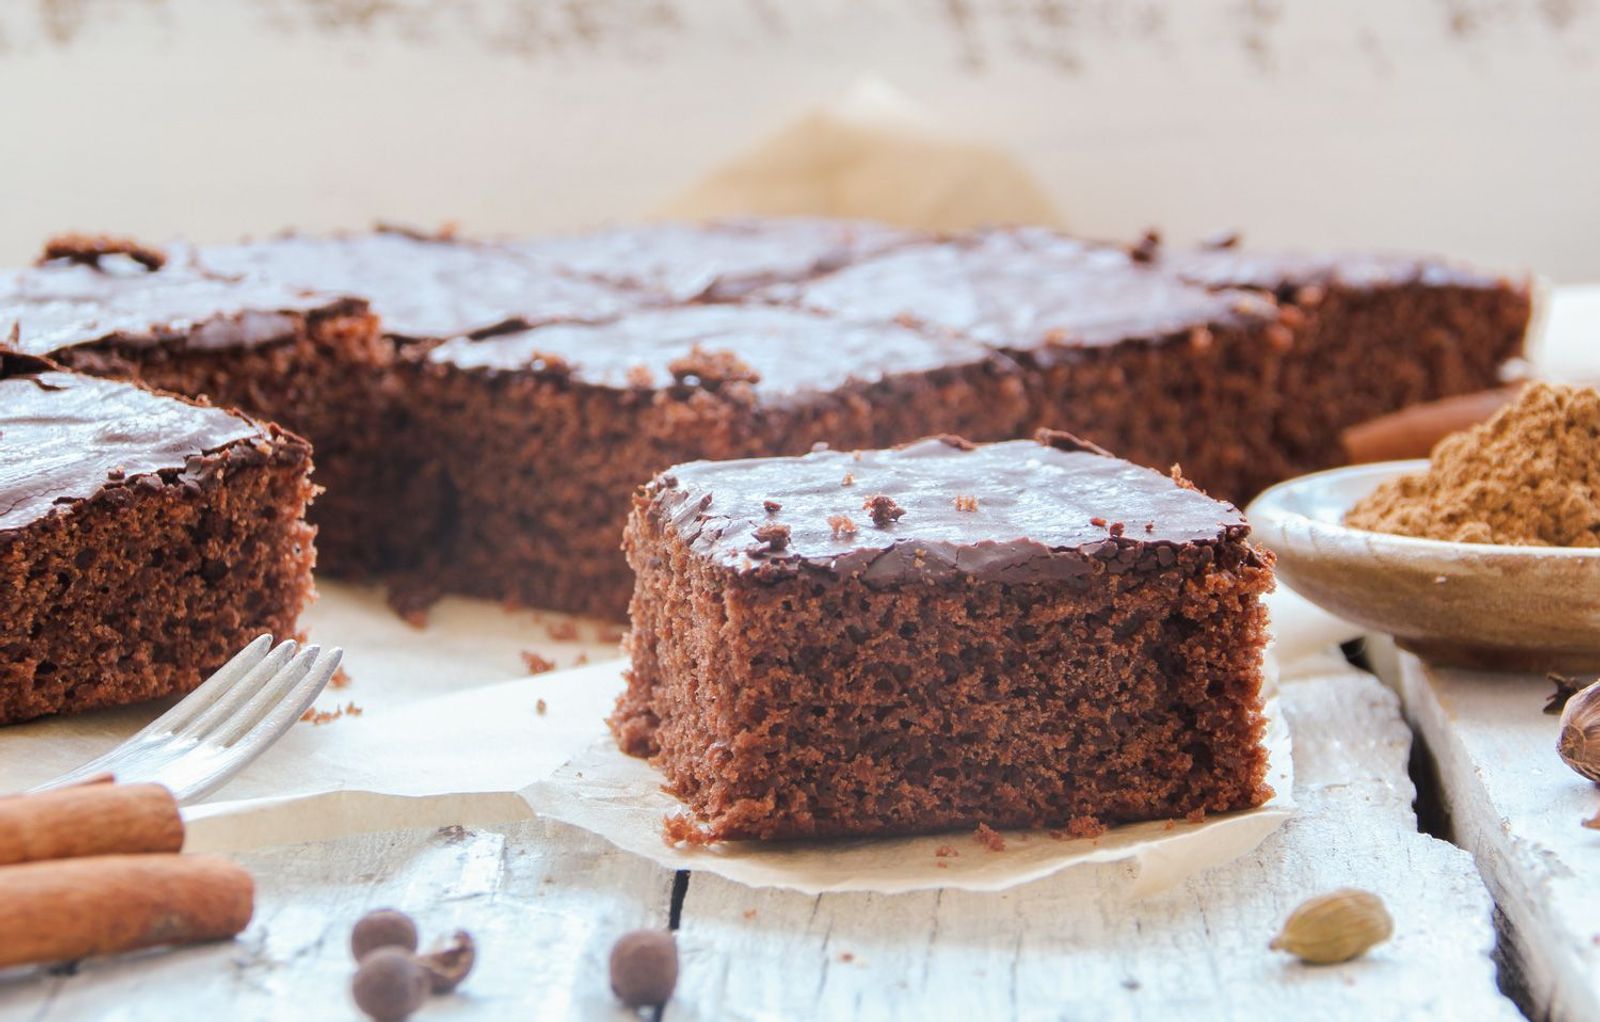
1274, 507
1482, 605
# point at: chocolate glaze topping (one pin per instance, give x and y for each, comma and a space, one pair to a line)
1284, 273
65, 438
789, 352
63, 304
425, 287
718, 260
1046, 510
1030, 290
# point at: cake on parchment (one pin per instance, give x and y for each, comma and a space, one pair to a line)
1023, 634
144, 539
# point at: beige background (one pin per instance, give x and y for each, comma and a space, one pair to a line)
1467, 126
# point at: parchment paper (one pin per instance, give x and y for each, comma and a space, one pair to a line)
620, 798
452, 733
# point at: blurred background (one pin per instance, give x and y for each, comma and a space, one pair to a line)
1469, 127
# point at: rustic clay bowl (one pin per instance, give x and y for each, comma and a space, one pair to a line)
1479, 605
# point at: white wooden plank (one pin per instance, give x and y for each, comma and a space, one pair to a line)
1075, 946
545, 901
1517, 807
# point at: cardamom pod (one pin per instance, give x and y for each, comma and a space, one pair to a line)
1579, 744
1335, 927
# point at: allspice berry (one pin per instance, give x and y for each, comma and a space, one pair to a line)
1579, 744
385, 927
644, 968
389, 984
448, 964
1335, 927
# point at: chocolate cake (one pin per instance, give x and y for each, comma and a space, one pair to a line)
541, 435
1243, 373
1373, 333
1023, 634
457, 457
144, 539
314, 361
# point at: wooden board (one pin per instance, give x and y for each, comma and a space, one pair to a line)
1516, 807
546, 901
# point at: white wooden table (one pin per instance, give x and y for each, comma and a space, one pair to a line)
545, 902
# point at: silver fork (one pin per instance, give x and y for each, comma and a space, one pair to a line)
232, 718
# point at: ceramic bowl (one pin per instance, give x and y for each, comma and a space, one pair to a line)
1464, 604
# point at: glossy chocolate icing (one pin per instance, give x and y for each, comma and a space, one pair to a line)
62, 304
718, 260
1284, 273
1045, 511
1028, 290
790, 352
65, 438
425, 287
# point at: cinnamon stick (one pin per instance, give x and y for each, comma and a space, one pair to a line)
1412, 432
89, 819
72, 908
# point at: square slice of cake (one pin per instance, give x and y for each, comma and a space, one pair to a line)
144, 539
1022, 634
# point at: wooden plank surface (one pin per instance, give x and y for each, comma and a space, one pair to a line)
546, 901
1516, 807
1074, 946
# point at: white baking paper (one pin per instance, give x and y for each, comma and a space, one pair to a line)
620, 798
454, 730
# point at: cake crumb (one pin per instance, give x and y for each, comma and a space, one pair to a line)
1116, 529
846, 956
770, 539
640, 378
536, 663
89, 249
581, 659
1098, 523
711, 369
883, 509
749, 913
945, 852
540, 706
340, 679
317, 717
1147, 248
678, 829
841, 525
848, 480
1195, 816
941, 865
771, 507
1085, 826
562, 631
610, 634
966, 502
989, 838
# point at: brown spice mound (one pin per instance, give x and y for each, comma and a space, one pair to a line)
1530, 476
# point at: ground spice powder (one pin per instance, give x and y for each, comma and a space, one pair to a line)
1530, 476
